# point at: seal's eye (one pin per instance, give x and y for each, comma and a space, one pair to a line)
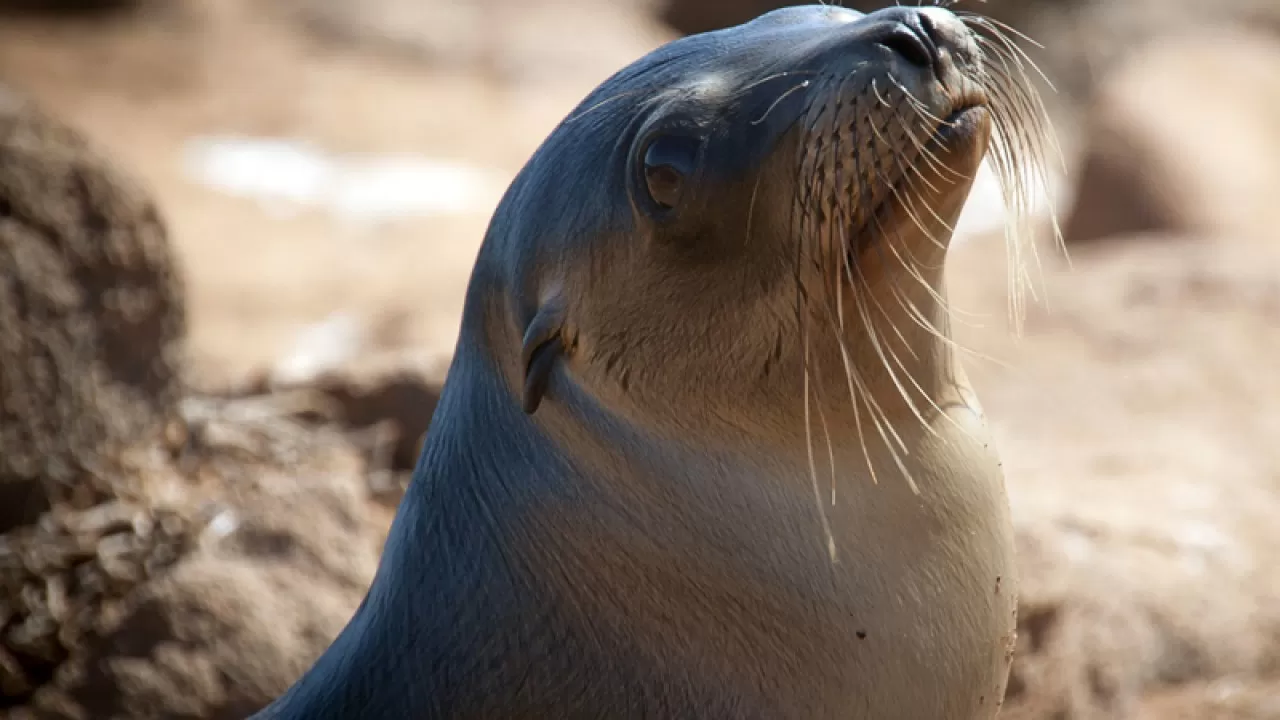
669, 160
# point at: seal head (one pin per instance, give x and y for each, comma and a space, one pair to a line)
706, 449
731, 173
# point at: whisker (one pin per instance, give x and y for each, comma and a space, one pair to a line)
866, 214
751, 210
602, 103
813, 466
779, 100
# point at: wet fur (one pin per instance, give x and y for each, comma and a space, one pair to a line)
614, 515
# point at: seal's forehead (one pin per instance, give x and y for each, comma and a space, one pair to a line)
804, 14
710, 74
699, 73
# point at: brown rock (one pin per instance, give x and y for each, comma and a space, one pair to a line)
405, 400
280, 547
384, 412
91, 325
381, 395
57, 577
1183, 138
91, 312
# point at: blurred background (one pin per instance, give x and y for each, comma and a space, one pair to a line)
234, 238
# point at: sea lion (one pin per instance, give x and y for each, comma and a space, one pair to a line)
705, 449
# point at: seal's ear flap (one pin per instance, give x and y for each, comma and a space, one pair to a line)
543, 346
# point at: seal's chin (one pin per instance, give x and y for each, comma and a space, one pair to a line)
963, 128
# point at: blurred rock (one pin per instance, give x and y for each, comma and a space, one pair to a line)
92, 319
404, 398
159, 558
58, 575
1184, 137
357, 375
279, 547
92, 315
1135, 426
382, 402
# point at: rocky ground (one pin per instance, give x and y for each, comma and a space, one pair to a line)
211, 392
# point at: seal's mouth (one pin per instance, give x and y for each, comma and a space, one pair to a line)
962, 125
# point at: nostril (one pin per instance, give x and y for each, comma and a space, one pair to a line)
928, 30
916, 47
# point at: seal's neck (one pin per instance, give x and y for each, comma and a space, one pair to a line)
451, 570
884, 338
576, 532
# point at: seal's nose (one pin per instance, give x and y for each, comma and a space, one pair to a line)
918, 34
905, 34
944, 28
